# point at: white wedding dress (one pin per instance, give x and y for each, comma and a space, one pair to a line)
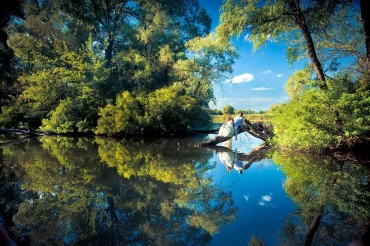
226, 130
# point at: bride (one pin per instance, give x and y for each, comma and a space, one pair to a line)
227, 129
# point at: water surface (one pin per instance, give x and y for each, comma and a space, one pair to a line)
97, 191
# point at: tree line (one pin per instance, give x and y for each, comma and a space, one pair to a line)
228, 109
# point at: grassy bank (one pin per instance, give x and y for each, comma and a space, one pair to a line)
250, 117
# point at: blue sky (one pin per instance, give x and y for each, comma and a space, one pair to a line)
258, 77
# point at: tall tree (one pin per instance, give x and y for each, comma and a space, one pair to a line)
276, 19
210, 59
106, 17
139, 32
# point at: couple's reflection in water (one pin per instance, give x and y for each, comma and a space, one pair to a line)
232, 159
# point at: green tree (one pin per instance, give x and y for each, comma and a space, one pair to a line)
210, 59
228, 109
297, 21
65, 51
51, 66
164, 112
365, 13
141, 39
317, 29
308, 120
74, 57
249, 111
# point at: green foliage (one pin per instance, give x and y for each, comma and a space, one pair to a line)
56, 71
210, 58
310, 120
125, 116
215, 112
163, 112
170, 110
299, 81
122, 53
228, 109
275, 21
10, 115
255, 241
78, 115
306, 122
354, 110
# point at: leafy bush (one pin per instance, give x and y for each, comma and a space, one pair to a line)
163, 112
354, 109
73, 115
305, 122
9, 116
126, 116
316, 119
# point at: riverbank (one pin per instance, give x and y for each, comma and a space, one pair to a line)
354, 149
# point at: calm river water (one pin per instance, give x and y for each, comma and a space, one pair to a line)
97, 191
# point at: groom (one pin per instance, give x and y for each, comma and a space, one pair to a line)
238, 122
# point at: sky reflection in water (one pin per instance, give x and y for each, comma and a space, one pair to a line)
259, 195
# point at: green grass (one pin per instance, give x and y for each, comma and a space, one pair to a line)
250, 117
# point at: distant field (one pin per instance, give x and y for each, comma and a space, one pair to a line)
250, 117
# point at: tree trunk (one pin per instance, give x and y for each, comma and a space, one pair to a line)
112, 210
109, 50
301, 22
311, 232
365, 9
20, 131
258, 130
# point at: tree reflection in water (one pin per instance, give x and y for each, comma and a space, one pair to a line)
80, 191
333, 199
107, 192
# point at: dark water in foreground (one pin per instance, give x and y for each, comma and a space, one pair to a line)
84, 191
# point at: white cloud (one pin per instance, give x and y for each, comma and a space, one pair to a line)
246, 197
243, 78
246, 38
268, 38
261, 99
261, 89
279, 75
266, 198
267, 72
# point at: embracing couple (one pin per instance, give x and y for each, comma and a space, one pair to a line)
230, 127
